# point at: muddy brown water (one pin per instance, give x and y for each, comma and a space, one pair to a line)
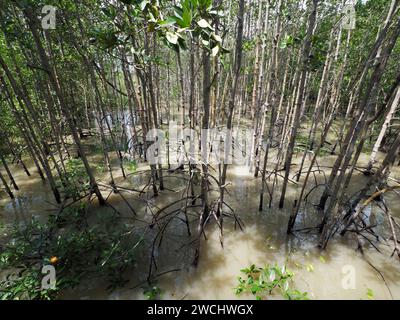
263, 241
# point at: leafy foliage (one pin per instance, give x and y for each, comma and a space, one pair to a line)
77, 251
152, 293
370, 294
76, 179
263, 282
132, 166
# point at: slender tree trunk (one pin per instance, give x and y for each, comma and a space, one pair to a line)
8, 190
299, 102
56, 87
386, 124
10, 176
271, 101
236, 75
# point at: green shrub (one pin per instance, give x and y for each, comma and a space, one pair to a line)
263, 282
76, 250
76, 180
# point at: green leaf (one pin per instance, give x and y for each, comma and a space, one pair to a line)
286, 42
272, 275
143, 4
310, 267
217, 37
283, 45
172, 37
262, 282
178, 15
168, 22
370, 294
186, 19
214, 51
132, 166
151, 18
204, 24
